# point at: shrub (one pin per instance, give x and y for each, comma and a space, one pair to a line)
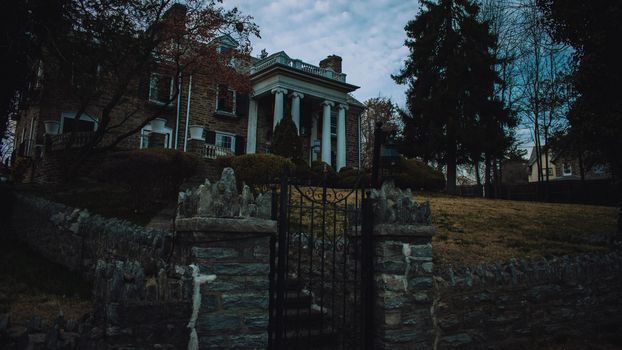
149, 174
286, 142
350, 177
317, 173
224, 161
302, 170
259, 169
416, 175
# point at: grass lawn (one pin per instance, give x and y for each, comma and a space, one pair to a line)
474, 230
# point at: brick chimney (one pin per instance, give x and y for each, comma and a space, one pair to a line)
333, 62
175, 17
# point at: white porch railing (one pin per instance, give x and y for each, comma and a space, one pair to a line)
213, 151
282, 58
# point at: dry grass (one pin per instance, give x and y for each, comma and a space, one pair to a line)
473, 230
476, 230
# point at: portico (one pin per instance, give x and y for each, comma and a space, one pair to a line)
317, 101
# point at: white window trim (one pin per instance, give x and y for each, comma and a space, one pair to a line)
72, 115
234, 101
222, 133
152, 98
146, 131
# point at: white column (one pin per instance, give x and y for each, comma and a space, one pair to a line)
278, 105
341, 137
251, 134
326, 142
296, 97
313, 136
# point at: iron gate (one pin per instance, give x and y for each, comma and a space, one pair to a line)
321, 267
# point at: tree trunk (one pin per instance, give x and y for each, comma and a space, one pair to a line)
487, 176
477, 175
452, 150
496, 166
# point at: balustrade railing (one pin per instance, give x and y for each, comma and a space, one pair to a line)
282, 58
213, 151
69, 140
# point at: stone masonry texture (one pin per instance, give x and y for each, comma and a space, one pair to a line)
143, 281
519, 303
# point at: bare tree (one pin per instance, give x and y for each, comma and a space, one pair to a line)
377, 109
109, 47
540, 87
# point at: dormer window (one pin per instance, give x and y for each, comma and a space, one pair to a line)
160, 88
225, 101
227, 55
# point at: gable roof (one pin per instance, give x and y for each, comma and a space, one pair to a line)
227, 40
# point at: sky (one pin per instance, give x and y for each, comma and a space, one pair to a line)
368, 35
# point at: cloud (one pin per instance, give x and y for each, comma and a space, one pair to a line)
368, 35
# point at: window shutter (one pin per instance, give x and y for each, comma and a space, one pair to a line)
241, 104
144, 85
210, 137
240, 145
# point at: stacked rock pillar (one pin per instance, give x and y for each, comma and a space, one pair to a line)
404, 286
233, 259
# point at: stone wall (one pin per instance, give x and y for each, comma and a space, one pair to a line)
518, 304
76, 238
205, 286
236, 252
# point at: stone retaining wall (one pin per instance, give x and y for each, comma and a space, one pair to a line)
208, 284
77, 239
518, 304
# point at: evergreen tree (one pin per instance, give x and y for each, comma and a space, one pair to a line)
593, 29
450, 76
286, 142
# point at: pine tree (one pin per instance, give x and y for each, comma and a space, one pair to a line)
450, 76
286, 142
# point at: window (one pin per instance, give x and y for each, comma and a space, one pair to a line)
225, 100
227, 57
225, 140
333, 124
39, 77
566, 168
160, 88
146, 131
547, 170
69, 123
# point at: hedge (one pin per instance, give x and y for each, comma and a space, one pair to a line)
259, 169
416, 175
150, 174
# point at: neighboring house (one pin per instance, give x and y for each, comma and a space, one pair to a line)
562, 167
547, 167
211, 119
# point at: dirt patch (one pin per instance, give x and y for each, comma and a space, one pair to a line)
31, 285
